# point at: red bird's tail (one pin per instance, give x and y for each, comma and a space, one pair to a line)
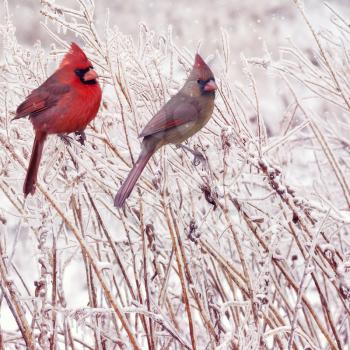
129, 183
32, 172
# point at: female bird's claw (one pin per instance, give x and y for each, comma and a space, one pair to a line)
198, 156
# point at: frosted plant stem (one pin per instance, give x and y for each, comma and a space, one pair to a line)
246, 272
307, 266
262, 135
181, 274
84, 247
111, 243
15, 306
190, 281
332, 160
325, 146
150, 328
324, 55
53, 339
256, 231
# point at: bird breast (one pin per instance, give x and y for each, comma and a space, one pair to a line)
182, 132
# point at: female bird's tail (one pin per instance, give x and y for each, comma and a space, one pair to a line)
129, 183
32, 172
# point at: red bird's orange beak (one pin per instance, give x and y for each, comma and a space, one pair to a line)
90, 75
210, 86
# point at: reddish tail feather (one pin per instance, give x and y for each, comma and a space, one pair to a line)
32, 172
129, 183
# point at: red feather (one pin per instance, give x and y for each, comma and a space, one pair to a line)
45, 96
75, 57
64, 103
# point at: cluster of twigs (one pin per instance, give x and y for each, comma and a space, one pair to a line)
247, 250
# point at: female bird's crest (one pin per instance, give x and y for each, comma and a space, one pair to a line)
200, 69
75, 57
199, 62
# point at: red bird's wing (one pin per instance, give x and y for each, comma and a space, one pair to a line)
173, 114
45, 96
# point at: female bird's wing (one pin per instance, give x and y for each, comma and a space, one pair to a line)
174, 113
45, 96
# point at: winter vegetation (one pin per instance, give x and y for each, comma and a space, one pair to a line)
247, 249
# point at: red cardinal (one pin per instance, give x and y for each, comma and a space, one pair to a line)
182, 116
66, 102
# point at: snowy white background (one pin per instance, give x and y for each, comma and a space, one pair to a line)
256, 238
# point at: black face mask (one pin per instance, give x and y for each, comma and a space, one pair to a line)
81, 72
202, 84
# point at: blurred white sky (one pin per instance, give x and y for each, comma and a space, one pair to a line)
248, 22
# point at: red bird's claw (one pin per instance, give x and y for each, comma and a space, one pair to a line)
81, 137
66, 139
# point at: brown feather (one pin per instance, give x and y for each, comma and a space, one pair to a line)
183, 115
171, 115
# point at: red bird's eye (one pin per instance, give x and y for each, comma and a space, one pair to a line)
80, 72
87, 75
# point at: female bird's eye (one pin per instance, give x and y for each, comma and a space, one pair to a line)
201, 82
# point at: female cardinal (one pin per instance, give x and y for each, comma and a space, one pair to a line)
181, 117
66, 102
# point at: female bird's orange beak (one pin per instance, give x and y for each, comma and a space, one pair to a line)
210, 86
90, 75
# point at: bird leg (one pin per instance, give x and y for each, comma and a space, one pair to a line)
67, 140
81, 137
198, 156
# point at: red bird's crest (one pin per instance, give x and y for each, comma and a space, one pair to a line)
75, 57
